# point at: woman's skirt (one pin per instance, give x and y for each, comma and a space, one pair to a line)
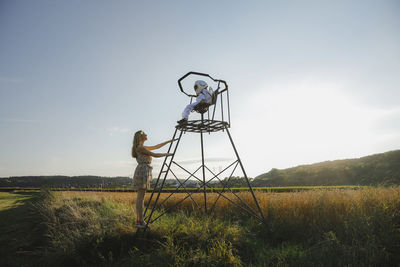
142, 176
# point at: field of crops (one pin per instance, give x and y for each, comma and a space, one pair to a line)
319, 227
170, 190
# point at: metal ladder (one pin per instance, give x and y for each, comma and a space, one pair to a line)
165, 168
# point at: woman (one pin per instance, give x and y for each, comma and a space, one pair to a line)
143, 176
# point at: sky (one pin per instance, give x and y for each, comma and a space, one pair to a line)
309, 81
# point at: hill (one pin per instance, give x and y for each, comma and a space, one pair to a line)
375, 169
378, 169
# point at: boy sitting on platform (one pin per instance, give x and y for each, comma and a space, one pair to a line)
203, 96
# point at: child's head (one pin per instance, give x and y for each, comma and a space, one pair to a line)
200, 86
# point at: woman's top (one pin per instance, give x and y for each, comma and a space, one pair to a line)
143, 172
143, 158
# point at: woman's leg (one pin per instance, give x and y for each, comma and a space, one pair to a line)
139, 204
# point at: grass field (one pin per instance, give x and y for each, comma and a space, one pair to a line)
334, 227
169, 190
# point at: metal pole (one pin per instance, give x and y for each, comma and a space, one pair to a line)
245, 175
202, 165
222, 107
229, 109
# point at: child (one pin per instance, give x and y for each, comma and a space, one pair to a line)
203, 95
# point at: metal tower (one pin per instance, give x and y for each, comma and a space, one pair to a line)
214, 117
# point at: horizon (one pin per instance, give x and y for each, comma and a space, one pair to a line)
86, 175
309, 82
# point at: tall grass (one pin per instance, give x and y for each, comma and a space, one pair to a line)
319, 227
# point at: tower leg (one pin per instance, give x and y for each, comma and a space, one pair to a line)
245, 175
202, 165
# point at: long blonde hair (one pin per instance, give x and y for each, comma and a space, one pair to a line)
136, 141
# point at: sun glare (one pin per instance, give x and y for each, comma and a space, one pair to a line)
306, 123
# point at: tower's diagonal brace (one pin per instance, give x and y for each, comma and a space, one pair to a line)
176, 191
251, 211
200, 167
235, 204
241, 200
184, 188
239, 206
176, 204
206, 184
222, 195
234, 168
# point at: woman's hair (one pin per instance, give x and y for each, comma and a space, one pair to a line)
136, 140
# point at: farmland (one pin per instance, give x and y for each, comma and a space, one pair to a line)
180, 189
320, 227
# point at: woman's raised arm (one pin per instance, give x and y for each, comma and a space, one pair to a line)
159, 145
144, 150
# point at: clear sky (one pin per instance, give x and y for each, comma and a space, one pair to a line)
309, 81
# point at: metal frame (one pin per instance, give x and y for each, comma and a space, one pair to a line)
201, 126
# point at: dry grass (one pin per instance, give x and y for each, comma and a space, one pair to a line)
121, 197
305, 207
302, 228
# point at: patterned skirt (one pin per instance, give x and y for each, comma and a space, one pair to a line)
142, 176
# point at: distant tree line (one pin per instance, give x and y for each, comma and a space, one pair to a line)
66, 181
59, 181
378, 169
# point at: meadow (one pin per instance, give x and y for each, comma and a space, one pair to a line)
319, 227
180, 189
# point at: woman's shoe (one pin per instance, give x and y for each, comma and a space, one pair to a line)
141, 225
